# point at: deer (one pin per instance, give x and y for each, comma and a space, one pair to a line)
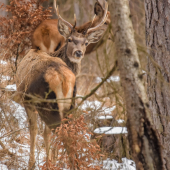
53, 77
46, 36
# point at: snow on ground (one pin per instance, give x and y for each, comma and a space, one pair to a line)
11, 87
3, 62
4, 78
120, 121
112, 78
21, 150
108, 110
108, 164
96, 105
110, 117
114, 165
91, 104
3, 167
111, 130
19, 113
105, 117
24, 154
143, 71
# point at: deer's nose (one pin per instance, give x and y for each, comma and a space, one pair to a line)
78, 53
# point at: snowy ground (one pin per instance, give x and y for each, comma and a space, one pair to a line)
111, 130
96, 105
4, 78
11, 87
21, 151
114, 165
108, 164
112, 78
3, 62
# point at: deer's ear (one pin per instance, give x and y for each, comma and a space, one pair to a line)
63, 28
95, 35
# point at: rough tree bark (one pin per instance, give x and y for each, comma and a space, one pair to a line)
158, 43
143, 139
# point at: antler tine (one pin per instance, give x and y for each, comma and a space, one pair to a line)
103, 19
93, 19
74, 21
59, 17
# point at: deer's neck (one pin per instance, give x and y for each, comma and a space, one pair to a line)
61, 53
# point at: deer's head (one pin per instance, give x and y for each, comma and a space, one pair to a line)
77, 42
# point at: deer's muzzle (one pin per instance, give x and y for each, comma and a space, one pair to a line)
78, 54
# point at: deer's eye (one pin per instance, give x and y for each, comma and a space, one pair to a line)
86, 43
38, 48
69, 39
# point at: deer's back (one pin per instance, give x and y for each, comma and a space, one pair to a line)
40, 74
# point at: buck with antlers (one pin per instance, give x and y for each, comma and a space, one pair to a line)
47, 38
53, 77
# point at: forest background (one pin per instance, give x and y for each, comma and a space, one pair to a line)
150, 23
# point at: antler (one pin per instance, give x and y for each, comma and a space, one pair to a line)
103, 19
59, 17
74, 21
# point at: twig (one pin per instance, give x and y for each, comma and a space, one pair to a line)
100, 84
10, 133
5, 149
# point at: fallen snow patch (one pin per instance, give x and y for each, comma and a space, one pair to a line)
114, 165
96, 105
19, 113
108, 110
111, 130
11, 87
3, 167
4, 78
21, 151
111, 79
143, 71
91, 105
3, 62
105, 117
120, 121
109, 117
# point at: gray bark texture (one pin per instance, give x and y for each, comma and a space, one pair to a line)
143, 138
84, 10
158, 43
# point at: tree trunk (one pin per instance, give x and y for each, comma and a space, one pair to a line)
143, 138
158, 43
84, 10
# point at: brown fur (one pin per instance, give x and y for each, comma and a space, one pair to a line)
47, 77
52, 69
47, 31
65, 78
65, 53
50, 78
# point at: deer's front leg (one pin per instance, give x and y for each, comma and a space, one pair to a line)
47, 135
